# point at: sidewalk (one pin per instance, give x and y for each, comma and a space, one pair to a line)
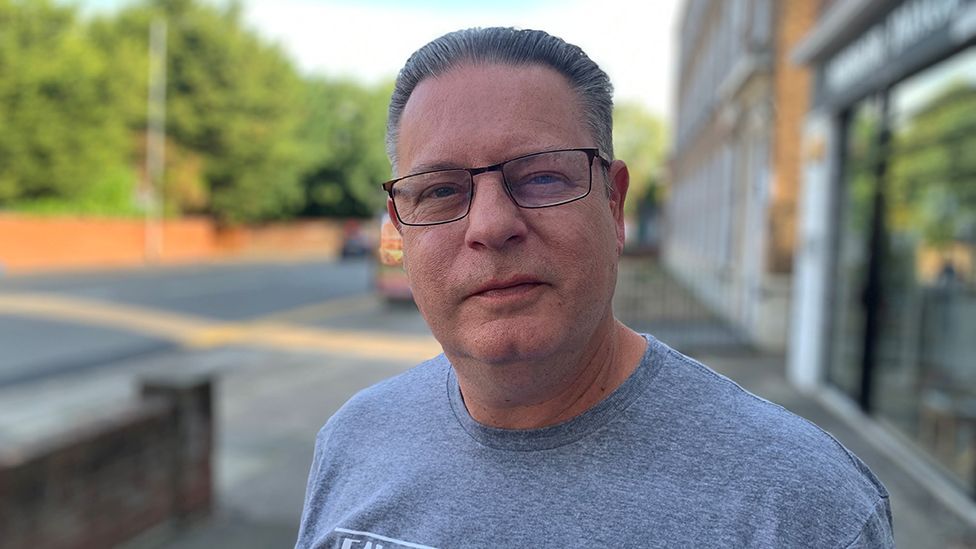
269, 416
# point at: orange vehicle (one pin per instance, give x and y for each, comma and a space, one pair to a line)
391, 279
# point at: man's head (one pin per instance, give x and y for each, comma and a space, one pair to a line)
507, 46
499, 281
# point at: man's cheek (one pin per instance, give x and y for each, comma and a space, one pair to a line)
409, 251
424, 269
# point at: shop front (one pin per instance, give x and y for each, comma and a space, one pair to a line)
888, 311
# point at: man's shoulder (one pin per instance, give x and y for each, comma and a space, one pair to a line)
765, 464
761, 439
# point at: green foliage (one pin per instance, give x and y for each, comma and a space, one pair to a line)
233, 105
60, 137
247, 138
862, 157
108, 196
345, 159
639, 139
933, 173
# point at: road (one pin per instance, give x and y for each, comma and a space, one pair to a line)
55, 324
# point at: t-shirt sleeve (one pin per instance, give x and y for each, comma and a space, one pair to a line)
877, 530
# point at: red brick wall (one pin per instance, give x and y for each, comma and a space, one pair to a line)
28, 243
792, 99
37, 244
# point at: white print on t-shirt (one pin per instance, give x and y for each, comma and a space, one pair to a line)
354, 540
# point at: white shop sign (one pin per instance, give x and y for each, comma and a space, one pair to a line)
904, 27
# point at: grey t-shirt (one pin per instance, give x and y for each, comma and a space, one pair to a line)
677, 456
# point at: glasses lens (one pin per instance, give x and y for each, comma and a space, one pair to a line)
548, 179
434, 197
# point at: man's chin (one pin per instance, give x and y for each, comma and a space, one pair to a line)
517, 345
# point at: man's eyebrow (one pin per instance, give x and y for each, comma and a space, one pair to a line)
434, 166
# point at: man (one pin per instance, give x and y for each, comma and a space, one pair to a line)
546, 422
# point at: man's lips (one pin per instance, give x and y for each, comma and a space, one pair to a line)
504, 287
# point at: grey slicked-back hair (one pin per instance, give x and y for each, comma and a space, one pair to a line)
514, 47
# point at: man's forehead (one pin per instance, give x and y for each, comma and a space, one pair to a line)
464, 114
497, 84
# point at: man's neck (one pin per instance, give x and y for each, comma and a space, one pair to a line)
531, 396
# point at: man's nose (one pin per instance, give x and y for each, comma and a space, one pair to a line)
494, 221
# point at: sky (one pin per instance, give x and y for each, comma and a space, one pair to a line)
632, 40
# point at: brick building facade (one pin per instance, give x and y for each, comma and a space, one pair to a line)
734, 168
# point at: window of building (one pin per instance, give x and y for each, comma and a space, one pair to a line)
904, 329
926, 374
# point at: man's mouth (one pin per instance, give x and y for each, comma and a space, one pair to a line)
511, 287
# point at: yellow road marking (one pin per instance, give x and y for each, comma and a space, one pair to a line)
325, 309
360, 344
166, 325
199, 332
223, 334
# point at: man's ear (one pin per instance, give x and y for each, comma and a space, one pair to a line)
619, 183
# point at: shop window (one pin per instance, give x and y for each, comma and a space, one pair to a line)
926, 345
904, 324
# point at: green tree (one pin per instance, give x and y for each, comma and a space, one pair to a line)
233, 110
62, 144
933, 170
345, 157
639, 140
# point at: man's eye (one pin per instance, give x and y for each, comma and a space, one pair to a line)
440, 191
546, 179
543, 179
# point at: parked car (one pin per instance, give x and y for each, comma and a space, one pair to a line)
355, 243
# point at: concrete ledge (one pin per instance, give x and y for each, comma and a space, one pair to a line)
108, 481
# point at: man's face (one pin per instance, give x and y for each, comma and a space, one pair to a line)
507, 284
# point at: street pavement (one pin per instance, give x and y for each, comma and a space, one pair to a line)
272, 398
55, 323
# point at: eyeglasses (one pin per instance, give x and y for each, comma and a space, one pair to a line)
538, 180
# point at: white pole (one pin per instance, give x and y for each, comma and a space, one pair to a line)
156, 138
